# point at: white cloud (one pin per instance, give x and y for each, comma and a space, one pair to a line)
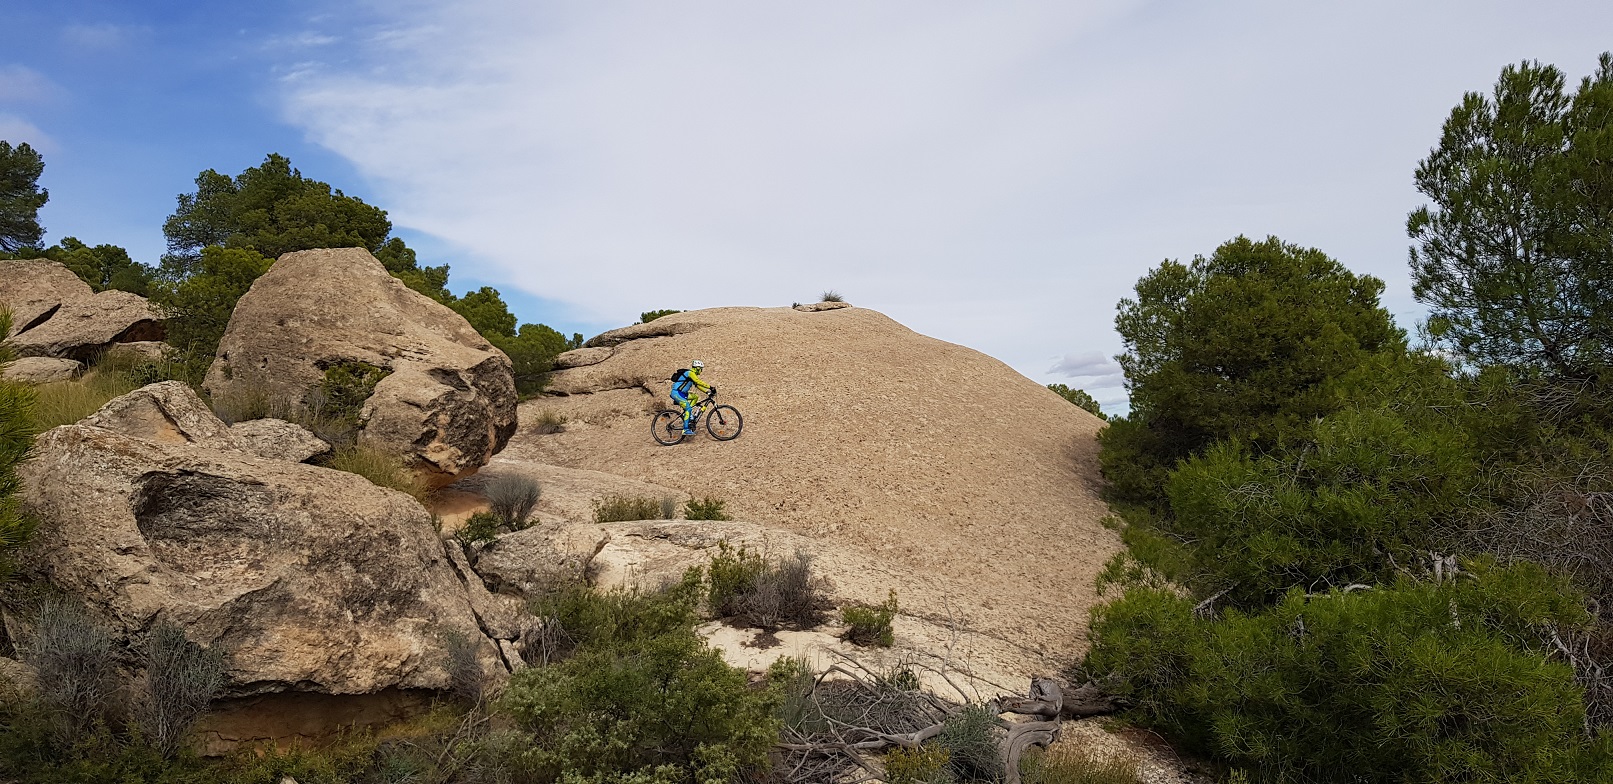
101, 35
998, 175
18, 130
1085, 365
21, 84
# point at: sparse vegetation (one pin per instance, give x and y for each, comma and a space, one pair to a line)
1080, 398
345, 387
972, 744
651, 315
180, 681
380, 467
641, 695
479, 527
75, 663
1067, 764
622, 508
871, 625
764, 592
831, 296
66, 402
549, 422
923, 765
18, 423
512, 498
705, 509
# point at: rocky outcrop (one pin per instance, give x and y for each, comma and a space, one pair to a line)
41, 370
582, 357
279, 440
167, 412
32, 289
447, 402
942, 463
818, 307
527, 564
54, 314
311, 580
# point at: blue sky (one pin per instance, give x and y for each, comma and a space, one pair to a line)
993, 174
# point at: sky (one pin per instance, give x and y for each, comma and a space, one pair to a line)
994, 174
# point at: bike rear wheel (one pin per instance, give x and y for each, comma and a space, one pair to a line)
724, 423
667, 427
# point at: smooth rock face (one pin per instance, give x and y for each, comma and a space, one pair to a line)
41, 370
54, 314
137, 351
278, 439
311, 580
32, 288
448, 403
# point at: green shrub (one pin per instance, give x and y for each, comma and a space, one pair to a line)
871, 625
1063, 764
479, 527
641, 696
974, 751
651, 315
731, 574
705, 509
764, 592
380, 467
512, 498
924, 765
17, 428
621, 508
1415, 682
1080, 398
345, 387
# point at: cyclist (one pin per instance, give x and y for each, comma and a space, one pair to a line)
684, 382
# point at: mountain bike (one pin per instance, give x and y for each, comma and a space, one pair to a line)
722, 422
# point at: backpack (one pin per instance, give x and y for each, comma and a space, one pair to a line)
680, 375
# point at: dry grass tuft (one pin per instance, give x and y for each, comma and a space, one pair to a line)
66, 402
380, 468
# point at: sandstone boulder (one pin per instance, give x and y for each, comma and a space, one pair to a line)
32, 289
83, 328
41, 370
582, 357
528, 564
137, 352
311, 580
55, 314
278, 439
447, 402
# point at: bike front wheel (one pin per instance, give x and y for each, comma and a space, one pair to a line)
667, 427
724, 423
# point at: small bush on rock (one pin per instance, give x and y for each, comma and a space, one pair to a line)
180, 681
925, 765
972, 745
831, 296
549, 422
872, 625
479, 527
513, 497
621, 508
381, 468
764, 592
705, 509
651, 315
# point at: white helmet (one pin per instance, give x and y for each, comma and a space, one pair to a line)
697, 364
